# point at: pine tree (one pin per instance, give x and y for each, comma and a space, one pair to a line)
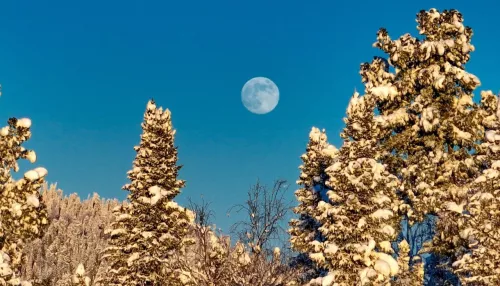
22, 216
305, 230
151, 230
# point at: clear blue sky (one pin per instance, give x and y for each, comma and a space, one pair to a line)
84, 70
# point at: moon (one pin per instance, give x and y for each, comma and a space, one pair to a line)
260, 95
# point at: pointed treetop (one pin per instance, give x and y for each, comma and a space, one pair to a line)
151, 105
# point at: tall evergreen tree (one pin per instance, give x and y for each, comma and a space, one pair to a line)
152, 228
304, 230
361, 217
23, 216
437, 153
470, 234
413, 147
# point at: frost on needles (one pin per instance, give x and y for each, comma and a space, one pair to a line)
415, 145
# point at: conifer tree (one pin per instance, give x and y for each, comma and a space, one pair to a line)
413, 148
304, 230
22, 216
149, 231
430, 152
471, 233
361, 217
438, 153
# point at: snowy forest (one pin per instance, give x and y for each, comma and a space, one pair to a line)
409, 198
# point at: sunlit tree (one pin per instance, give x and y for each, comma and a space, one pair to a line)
149, 231
23, 216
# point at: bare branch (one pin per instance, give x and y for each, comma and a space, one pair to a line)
266, 209
204, 214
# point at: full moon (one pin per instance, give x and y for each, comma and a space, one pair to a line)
260, 95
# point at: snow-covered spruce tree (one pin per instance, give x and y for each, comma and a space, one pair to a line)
476, 231
151, 230
304, 230
435, 150
22, 216
361, 217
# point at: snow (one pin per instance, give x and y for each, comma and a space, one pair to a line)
118, 231
382, 267
393, 264
331, 248
16, 209
23, 122
42, 172
381, 199
440, 48
31, 175
276, 251
385, 92
366, 274
486, 197
31, 156
315, 134
32, 200
5, 269
244, 259
151, 105
147, 234
386, 246
330, 151
80, 270
134, 256
158, 193
461, 134
335, 167
328, 280
382, 214
490, 136
361, 223
387, 229
4, 131
317, 257
454, 207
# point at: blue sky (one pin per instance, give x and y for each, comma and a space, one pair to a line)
83, 71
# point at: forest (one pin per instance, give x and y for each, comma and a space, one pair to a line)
409, 198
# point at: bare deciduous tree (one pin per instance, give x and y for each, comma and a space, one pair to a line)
266, 209
204, 214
